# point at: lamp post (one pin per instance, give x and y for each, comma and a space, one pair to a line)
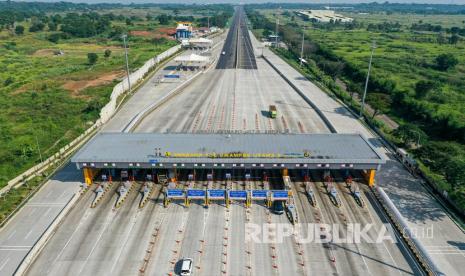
276, 38
373, 47
127, 62
302, 48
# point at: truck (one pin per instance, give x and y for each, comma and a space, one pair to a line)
272, 111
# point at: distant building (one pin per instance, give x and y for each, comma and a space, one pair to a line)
324, 16
184, 30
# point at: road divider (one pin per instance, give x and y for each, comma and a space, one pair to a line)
123, 191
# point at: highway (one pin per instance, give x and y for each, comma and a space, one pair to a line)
232, 96
116, 240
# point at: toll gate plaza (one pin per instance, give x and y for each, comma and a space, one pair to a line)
127, 154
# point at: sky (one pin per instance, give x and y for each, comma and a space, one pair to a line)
459, 2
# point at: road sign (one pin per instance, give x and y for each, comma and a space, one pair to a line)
104, 177
280, 194
259, 194
216, 194
238, 194
174, 193
172, 76
153, 161
196, 194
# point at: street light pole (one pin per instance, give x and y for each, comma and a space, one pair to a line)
276, 39
373, 47
38, 148
127, 62
302, 49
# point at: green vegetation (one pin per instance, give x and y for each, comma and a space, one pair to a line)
51, 90
417, 76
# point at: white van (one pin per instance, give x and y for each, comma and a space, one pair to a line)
186, 267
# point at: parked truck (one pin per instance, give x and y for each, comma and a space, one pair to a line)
272, 111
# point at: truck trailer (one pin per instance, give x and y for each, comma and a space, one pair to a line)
272, 111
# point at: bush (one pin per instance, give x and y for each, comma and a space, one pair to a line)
36, 27
445, 62
8, 81
92, 58
107, 53
54, 37
19, 30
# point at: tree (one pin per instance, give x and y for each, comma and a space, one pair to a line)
423, 87
445, 62
163, 19
380, 103
92, 58
52, 26
55, 37
19, 30
107, 53
411, 134
37, 26
454, 39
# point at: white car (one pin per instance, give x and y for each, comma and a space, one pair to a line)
186, 267
223, 53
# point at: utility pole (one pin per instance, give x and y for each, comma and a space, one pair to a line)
208, 20
127, 62
277, 22
38, 148
373, 47
302, 49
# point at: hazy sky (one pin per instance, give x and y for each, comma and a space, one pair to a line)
461, 2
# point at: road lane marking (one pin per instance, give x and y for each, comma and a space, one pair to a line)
28, 234
11, 235
4, 264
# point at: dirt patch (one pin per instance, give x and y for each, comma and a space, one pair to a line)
44, 53
142, 33
76, 86
158, 33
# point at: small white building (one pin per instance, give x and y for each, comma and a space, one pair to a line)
324, 16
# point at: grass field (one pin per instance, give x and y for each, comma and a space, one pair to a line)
404, 57
48, 99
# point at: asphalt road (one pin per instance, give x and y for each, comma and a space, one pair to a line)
21, 233
237, 51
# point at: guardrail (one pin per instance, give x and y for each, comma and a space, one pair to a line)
426, 261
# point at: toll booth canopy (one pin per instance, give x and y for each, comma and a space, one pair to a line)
229, 151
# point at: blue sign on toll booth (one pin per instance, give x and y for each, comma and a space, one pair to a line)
280, 194
238, 194
195, 193
217, 194
174, 193
259, 194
